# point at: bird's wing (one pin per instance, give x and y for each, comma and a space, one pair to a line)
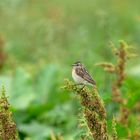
85, 75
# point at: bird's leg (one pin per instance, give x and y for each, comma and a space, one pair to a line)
78, 84
82, 87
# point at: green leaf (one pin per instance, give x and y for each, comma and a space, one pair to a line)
46, 83
133, 93
122, 131
35, 130
22, 90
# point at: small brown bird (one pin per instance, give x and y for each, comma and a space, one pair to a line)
80, 74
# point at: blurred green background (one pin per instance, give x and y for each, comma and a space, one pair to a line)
40, 39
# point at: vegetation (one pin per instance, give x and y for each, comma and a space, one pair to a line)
94, 111
7, 126
39, 40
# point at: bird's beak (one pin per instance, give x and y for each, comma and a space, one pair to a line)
73, 65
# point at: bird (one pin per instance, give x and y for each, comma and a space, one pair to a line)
80, 75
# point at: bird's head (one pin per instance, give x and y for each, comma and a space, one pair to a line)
77, 64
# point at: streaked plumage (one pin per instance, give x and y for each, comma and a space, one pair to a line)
80, 74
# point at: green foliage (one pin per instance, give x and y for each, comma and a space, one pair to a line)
133, 85
22, 91
41, 39
34, 96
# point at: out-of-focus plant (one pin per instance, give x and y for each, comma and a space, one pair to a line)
8, 129
123, 54
42, 102
54, 137
114, 132
2, 53
125, 117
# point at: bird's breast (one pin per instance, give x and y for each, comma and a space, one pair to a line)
76, 77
